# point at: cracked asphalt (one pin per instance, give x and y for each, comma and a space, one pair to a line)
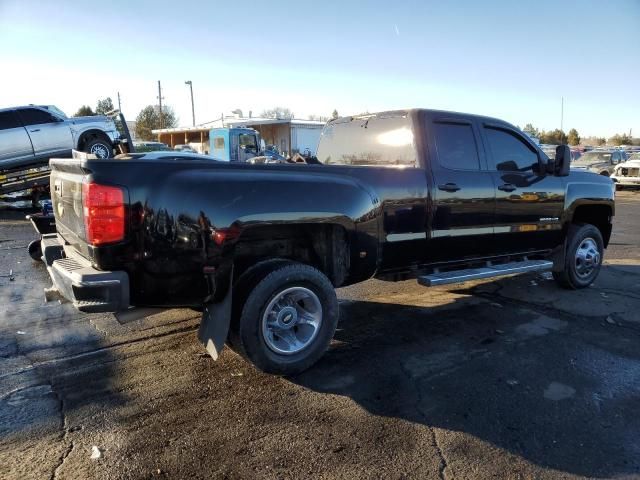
510, 378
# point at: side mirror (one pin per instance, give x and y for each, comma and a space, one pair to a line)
508, 166
563, 160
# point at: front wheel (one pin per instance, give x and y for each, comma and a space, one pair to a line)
287, 320
583, 259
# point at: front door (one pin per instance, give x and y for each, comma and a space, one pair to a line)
15, 145
48, 133
529, 202
463, 200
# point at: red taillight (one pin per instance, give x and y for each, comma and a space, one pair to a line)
222, 235
104, 215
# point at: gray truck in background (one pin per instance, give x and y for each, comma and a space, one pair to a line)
34, 133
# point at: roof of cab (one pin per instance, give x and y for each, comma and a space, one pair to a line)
409, 111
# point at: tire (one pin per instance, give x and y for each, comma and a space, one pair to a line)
605, 174
270, 330
100, 147
35, 250
583, 259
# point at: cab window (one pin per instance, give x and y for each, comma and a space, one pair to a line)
509, 152
33, 116
9, 120
456, 146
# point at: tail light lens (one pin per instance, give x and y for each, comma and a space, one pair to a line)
104, 213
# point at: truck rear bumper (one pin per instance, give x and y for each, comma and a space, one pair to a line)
89, 290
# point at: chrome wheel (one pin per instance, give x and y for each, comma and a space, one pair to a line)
99, 150
587, 257
292, 320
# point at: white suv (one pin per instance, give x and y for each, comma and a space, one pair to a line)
32, 133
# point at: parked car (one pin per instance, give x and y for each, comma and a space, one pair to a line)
600, 161
575, 154
627, 174
549, 150
37, 132
185, 148
437, 196
141, 147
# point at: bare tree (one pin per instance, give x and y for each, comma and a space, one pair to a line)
278, 112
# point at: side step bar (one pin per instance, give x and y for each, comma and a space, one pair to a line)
459, 276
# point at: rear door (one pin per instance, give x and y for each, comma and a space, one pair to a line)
15, 146
529, 202
49, 134
463, 192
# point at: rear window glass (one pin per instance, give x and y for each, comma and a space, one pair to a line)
456, 146
9, 120
374, 141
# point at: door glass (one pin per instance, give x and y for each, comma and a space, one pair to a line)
33, 116
456, 146
510, 153
9, 120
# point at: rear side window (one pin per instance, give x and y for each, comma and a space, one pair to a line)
510, 153
33, 116
456, 146
9, 120
375, 141
218, 142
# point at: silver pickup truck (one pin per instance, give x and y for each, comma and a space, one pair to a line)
32, 133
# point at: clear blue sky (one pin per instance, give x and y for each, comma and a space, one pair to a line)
510, 59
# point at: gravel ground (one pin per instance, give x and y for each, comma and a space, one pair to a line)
512, 378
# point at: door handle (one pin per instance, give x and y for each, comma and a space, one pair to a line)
507, 187
36, 130
449, 187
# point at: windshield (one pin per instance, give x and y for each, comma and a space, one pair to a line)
595, 157
248, 141
56, 111
634, 156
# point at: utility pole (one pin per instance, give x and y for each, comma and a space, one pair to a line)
561, 114
160, 105
119, 105
193, 111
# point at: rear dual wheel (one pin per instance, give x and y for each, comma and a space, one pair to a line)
284, 318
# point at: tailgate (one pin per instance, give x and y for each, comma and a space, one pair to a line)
66, 197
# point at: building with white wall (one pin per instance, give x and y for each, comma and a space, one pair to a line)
290, 136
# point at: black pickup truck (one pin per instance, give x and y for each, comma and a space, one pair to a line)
437, 196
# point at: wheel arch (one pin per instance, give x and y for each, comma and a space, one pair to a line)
325, 246
89, 135
598, 215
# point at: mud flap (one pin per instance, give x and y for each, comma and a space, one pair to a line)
558, 256
214, 327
